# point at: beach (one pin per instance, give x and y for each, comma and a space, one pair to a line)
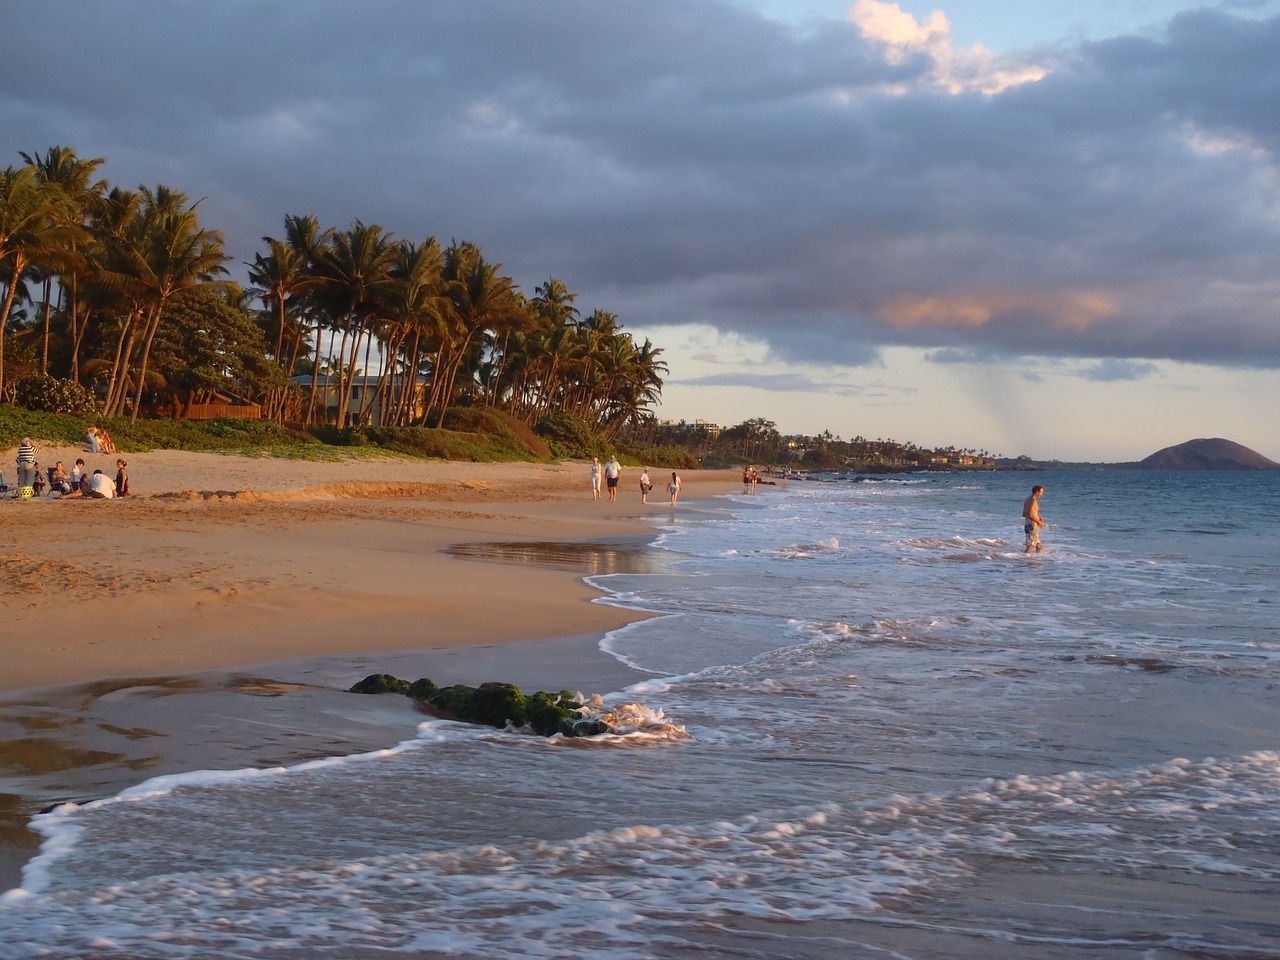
847, 716
228, 582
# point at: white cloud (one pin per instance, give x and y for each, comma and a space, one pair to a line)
955, 69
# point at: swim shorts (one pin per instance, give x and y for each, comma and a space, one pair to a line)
1033, 534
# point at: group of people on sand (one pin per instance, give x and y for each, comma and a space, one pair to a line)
97, 486
97, 441
78, 483
611, 474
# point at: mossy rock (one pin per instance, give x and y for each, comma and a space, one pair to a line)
381, 683
492, 704
422, 689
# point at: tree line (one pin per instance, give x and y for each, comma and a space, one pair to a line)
758, 441
126, 294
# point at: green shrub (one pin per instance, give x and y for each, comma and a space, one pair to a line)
673, 458
51, 395
512, 432
570, 438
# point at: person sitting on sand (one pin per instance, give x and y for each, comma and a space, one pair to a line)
59, 479
122, 479
100, 487
104, 442
81, 487
77, 472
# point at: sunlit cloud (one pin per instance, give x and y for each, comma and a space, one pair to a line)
956, 70
1072, 310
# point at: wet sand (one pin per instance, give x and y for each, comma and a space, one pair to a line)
216, 620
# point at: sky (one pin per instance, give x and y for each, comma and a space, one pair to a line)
1039, 228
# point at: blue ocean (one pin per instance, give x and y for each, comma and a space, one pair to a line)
866, 725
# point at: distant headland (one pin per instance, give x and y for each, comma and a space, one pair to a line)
1210, 454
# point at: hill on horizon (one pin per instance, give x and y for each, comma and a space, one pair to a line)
1207, 454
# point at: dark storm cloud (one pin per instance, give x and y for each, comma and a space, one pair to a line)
687, 161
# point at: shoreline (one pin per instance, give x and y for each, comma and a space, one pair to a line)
221, 630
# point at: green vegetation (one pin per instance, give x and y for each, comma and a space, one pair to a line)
116, 303
490, 440
758, 441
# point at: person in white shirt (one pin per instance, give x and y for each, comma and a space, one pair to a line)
612, 474
101, 487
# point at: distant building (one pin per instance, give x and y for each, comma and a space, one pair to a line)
366, 404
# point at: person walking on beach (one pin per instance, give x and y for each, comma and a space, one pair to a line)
673, 487
1031, 519
645, 485
595, 478
612, 474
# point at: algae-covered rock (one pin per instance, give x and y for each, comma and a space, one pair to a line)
493, 704
421, 689
561, 714
381, 683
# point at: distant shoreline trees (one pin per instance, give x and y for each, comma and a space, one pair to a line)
126, 293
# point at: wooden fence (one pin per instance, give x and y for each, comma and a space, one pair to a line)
211, 411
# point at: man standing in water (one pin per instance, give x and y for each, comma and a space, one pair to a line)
1031, 517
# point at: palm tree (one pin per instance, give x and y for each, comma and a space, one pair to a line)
479, 297
32, 226
164, 253
417, 309
355, 270
283, 279
61, 167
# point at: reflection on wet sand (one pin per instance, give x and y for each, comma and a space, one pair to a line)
83, 742
591, 558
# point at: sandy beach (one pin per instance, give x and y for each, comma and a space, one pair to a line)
231, 600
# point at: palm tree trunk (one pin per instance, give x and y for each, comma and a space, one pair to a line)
48, 308
116, 381
19, 265
315, 380
153, 324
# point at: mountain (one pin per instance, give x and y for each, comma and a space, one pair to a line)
1215, 454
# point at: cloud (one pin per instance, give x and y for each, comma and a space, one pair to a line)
829, 192
1111, 370
777, 383
956, 70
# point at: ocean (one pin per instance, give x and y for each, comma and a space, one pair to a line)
867, 726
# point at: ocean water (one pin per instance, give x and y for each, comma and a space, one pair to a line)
869, 727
